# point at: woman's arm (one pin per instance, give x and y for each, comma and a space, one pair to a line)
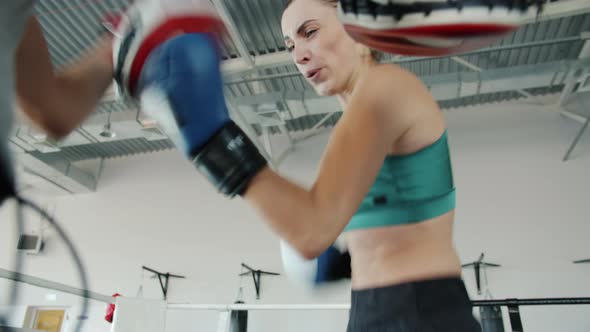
59, 102
311, 220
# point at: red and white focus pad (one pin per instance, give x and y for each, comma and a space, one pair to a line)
149, 23
433, 27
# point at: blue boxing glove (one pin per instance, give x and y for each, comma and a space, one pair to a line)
332, 265
182, 75
167, 59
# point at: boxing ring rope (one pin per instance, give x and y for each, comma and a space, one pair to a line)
530, 302
235, 315
476, 303
490, 308
258, 307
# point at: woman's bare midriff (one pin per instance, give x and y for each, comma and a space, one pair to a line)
392, 255
396, 254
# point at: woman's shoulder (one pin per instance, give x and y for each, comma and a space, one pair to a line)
390, 82
393, 86
400, 96
387, 68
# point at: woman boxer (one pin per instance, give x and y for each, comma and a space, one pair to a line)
385, 179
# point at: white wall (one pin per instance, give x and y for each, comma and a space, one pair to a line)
525, 208
517, 202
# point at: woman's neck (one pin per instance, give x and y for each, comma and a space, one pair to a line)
345, 95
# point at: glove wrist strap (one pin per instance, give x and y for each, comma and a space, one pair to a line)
230, 160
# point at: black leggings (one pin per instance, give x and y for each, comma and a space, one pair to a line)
440, 305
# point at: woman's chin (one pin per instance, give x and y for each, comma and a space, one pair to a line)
325, 90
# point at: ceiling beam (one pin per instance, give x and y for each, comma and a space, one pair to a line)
267, 141
473, 67
574, 75
242, 122
553, 10
576, 107
573, 116
233, 32
560, 9
34, 154
246, 63
581, 132
239, 66
58, 172
234, 68
442, 87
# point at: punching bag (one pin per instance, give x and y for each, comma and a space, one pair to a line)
238, 320
491, 319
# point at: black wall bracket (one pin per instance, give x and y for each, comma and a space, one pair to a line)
163, 278
256, 274
477, 268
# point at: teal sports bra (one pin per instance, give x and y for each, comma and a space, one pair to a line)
409, 189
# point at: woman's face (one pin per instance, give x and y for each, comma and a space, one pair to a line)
319, 46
